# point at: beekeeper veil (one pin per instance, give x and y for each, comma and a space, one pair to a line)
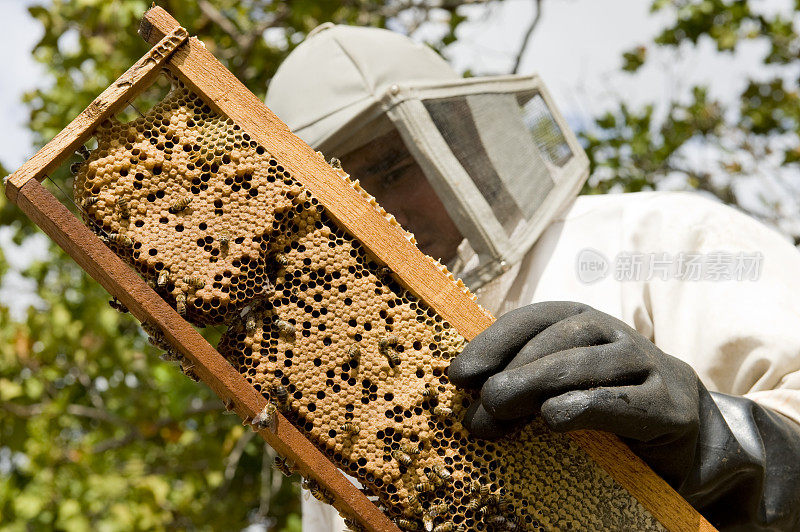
496, 151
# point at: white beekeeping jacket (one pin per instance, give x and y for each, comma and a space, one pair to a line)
704, 282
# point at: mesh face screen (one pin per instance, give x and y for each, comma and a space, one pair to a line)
546, 133
453, 118
228, 236
489, 135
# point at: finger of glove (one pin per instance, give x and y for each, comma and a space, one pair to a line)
490, 351
520, 392
622, 410
483, 425
580, 330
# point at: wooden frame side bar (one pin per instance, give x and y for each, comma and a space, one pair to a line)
203, 73
112, 100
146, 305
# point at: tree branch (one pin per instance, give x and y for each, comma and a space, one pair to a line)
525, 40
224, 23
134, 433
232, 462
37, 409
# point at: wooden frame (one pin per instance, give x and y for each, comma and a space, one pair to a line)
188, 59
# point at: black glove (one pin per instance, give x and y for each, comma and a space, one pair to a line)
735, 461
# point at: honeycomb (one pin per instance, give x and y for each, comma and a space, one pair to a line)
323, 330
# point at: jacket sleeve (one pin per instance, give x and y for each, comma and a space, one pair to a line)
738, 329
742, 336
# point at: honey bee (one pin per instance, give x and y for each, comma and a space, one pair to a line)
116, 305
188, 369
250, 324
479, 488
229, 404
180, 205
282, 465
424, 486
384, 271
268, 288
354, 354
406, 524
409, 448
281, 259
434, 478
88, 202
430, 392
401, 457
124, 210
486, 511
84, 152
169, 355
281, 395
180, 304
442, 411
350, 428
383, 343
119, 239
159, 341
474, 504
194, 282
393, 359
267, 418
224, 239
427, 521
285, 328
413, 506
446, 527
442, 472
505, 505
163, 278
335, 163
497, 521
438, 509
353, 525
490, 499
150, 328
318, 493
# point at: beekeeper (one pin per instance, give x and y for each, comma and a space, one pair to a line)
666, 318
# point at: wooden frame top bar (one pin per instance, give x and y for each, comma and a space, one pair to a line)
112, 100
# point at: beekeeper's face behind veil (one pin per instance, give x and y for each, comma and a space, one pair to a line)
475, 167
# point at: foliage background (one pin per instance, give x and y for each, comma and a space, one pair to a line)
97, 433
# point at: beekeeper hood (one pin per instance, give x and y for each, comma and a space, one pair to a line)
495, 149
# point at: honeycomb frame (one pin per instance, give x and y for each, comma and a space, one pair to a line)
180, 65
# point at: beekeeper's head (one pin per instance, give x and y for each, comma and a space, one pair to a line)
474, 167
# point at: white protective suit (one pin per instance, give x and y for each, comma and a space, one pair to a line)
704, 282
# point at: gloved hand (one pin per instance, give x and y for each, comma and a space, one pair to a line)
583, 369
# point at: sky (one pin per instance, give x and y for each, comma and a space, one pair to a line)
576, 49
18, 34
